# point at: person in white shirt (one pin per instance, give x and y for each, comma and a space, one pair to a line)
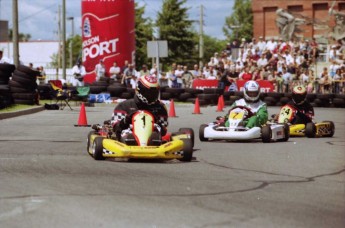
262, 62
271, 44
261, 45
4, 59
178, 73
79, 73
287, 79
115, 72
100, 70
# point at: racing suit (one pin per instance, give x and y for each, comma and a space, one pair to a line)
304, 113
122, 114
259, 109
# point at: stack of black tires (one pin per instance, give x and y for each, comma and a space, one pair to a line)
5, 93
23, 85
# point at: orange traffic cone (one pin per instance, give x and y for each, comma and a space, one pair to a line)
219, 106
222, 101
197, 107
172, 109
82, 121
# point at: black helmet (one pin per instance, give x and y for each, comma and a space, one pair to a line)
299, 94
147, 89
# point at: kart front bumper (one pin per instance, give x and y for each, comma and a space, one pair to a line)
169, 150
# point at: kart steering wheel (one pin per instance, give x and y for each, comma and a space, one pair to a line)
249, 112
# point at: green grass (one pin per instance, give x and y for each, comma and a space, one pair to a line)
20, 107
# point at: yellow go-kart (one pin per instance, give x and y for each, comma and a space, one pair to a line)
288, 113
141, 141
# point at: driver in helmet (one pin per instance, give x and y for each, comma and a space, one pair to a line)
252, 101
145, 98
304, 110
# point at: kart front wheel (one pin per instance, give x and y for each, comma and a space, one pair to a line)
188, 131
97, 148
201, 133
266, 134
187, 150
310, 130
89, 142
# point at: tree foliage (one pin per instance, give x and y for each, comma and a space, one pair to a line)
242, 16
21, 36
143, 33
176, 28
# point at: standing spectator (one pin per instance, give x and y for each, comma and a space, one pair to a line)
325, 81
129, 76
42, 77
78, 72
178, 73
115, 72
187, 78
100, 70
287, 79
172, 77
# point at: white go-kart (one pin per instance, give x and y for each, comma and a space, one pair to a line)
270, 132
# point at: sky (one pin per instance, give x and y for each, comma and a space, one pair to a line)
39, 18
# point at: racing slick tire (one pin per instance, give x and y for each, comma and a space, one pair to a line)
286, 133
88, 143
201, 133
310, 130
188, 131
332, 128
266, 134
187, 150
98, 148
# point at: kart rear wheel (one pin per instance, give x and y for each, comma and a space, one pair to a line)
187, 150
286, 133
201, 133
88, 142
331, 128
188, 131
97, 148
310, 130
266, 134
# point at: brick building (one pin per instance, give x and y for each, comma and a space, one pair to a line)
264, 16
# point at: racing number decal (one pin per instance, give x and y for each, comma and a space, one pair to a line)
144, 121
236, 115
286, 114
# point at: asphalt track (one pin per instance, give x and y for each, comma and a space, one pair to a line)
47, 179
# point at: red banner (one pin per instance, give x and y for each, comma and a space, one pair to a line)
108, 34
265, 86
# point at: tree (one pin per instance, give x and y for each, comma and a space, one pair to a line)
143, 33
176, 28
76, 52
242, 17
21, 36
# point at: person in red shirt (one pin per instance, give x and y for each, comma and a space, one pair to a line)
246, 75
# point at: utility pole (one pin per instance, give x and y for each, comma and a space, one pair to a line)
64, 39
15, 32
59, 35
71, 42
201, 36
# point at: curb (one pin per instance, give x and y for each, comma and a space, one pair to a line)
20, 113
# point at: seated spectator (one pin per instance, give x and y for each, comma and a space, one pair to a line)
129, 76
246, 74
115, 72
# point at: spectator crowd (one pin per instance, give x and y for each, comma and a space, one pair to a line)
283, 63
